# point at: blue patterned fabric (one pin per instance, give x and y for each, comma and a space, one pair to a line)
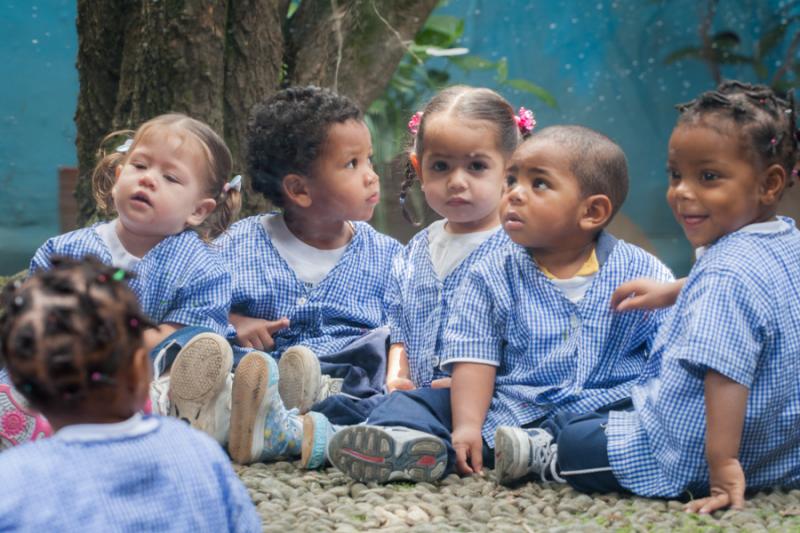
171, 478
348, 303
181, 280
739, 315
419, 302
550, 353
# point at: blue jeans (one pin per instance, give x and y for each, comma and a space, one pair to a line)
361, 364
164, 354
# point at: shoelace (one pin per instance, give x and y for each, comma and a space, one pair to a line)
545, 461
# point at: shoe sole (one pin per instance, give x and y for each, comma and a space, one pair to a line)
248, 408
367, 453
507, 456
299, 373
197, 376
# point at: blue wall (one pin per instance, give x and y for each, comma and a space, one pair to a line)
603, 60
38, 95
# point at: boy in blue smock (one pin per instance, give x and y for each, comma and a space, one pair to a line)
531, 332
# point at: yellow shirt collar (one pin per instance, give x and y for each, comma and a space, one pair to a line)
589, 267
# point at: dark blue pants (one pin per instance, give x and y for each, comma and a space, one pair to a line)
361, 364
583, 448
346, 411
425, 410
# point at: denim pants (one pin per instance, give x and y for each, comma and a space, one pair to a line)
164, 354
361, 364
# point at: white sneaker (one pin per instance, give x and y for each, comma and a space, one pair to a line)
519, 452
200, 385
317, 433
382, 454
159, 395
328, 387
300, 378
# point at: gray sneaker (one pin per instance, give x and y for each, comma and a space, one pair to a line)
382, 454
300, 378
520, 452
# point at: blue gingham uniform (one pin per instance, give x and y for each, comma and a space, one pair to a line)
419, 302
171, 478
181, 280
739, 315
344, 306
550, 353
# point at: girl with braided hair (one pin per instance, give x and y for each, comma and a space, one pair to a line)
72, 338
717, 408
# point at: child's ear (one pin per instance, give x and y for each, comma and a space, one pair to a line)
117, 172
140, 376
596, 212
201, 211
772, 185
295, 187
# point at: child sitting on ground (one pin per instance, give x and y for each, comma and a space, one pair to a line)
718, 406
72, 339
309, 282
168, 186
531, 330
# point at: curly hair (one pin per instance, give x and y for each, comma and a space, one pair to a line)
286, 133
68, 330
764, 122
469, 103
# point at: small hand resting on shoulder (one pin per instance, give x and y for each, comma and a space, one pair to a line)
257, 333
645, 293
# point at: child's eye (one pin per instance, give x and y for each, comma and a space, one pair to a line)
371, 160
171, 179
138, 165
673, 174
477, 166
353, 163
708, 176
511, 180
540, 184
439, 166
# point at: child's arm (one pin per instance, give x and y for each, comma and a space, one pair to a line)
154, 336
726, 401
470, 395
397, 370
645, 293
256, 333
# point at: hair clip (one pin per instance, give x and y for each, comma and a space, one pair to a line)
525, 121
235, 184
413, 124
124, 147
119, 275
102, 278
134, 323
18, 301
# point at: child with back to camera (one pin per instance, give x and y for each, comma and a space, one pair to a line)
169, 187
718, 407
72, 338
530, 332
309, 281
461, 142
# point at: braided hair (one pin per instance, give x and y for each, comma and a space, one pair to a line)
69, 330
469, 103
764, 121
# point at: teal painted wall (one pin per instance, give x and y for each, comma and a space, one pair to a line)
603, 60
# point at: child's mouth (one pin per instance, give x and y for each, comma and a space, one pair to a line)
141, 198
693, 220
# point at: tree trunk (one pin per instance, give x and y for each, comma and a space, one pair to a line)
214, 59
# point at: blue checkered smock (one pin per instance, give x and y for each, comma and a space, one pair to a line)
171, 478
739, 315
348, 303
419, 302
550, 353
181, 280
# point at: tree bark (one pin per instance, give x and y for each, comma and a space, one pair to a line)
214, 59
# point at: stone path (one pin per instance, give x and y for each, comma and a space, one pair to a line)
291, 500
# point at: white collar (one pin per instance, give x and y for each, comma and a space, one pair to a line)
770, 226
132, 427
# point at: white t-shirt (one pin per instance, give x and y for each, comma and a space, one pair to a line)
309, 264
120, 257
770, 226
448, 250
574, 288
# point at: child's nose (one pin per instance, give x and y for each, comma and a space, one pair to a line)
146, 180
457, 181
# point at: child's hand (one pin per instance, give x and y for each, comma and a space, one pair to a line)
468, 444
399, 384
644, 293
727, 489
441, 383
257, 333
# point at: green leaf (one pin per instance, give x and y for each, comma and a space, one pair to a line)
445, 24
536, 90
467, 63
502, 70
